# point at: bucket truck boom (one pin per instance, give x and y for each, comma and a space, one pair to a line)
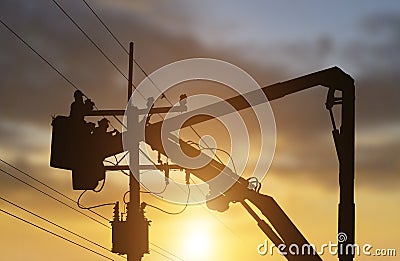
335, 80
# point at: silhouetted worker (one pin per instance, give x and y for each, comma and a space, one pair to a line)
102, 141
79, 108
101, 131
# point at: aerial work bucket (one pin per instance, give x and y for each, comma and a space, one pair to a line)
62, 144
77, 146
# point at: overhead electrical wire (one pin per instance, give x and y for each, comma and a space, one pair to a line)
117, 40
218, 219
135, 61
75, 87
70, 82
56, 199
216, 149
252, 180
54, 234
55, 224
170, 253
44, 59
38, 54
56, 70
49, 187
127, 174
161, 254
27, 174
101, 187
222, 150
153, 192
105, 26
116, 67
91, 207
145, 73
172, 213
95, 45
100, 50
89, 38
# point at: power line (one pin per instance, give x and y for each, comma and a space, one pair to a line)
89, 38
165, 251
73, 85
41, 191
38, 54
54, 224
106, 27
42, 57
218, 219
47, 186
54, 234
96, 45
116, 39
161, 254
61, 201
96, 206
119, 43
147, 75
56, 70
47, 62
100, 50
140, 67
115, 66
173, 213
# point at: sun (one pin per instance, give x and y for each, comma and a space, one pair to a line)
197, 241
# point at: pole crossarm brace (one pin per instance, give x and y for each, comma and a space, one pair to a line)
179, 108
106, 113
145, 167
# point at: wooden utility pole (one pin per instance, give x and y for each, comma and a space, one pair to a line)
135, 214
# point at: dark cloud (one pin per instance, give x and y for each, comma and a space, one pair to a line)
303, 124
32, 92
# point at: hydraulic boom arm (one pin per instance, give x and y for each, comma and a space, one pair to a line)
334, 79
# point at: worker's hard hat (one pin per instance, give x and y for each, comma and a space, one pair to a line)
78, 94
103, 122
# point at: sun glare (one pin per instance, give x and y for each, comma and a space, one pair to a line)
197, 241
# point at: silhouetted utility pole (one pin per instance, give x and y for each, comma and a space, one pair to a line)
130, 236
134, 187
137, 224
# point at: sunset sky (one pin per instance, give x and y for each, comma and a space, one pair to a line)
272, 41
